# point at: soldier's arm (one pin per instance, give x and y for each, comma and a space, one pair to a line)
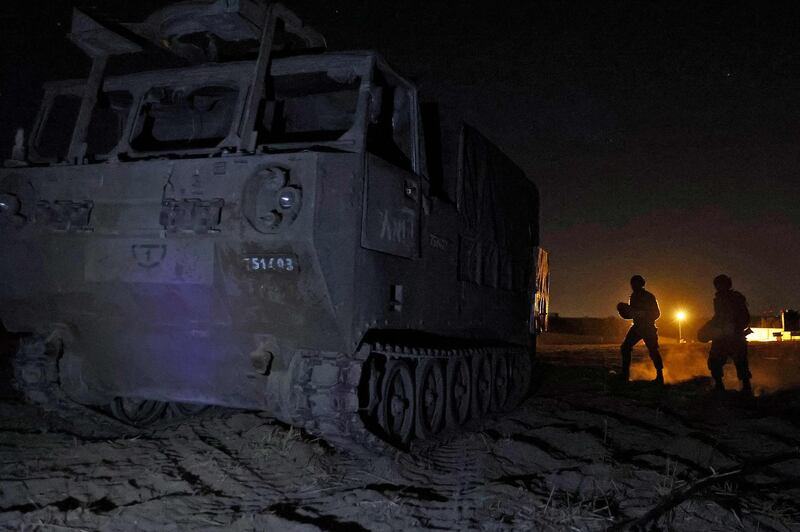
715, 317
743, 314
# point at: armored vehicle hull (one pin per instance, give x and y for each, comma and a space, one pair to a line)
316, 274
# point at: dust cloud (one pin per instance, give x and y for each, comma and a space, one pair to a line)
774, 365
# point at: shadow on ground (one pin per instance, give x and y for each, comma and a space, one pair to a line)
583, 453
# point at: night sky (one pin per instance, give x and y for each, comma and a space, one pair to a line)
664, 136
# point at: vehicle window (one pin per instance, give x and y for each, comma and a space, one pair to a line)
184, 117
310, 107
56, 134
390, 134
107, 124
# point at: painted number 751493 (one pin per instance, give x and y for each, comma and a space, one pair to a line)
271, 263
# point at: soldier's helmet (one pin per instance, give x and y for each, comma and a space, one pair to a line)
723, 282
637, 282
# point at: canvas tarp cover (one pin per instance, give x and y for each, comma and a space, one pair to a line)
498, 206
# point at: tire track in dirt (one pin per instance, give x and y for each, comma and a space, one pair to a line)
442, 482
280, 490
557, 462
627, 418
622, 456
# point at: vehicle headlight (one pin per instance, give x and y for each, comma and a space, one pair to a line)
288, 198
9, 204
271, 201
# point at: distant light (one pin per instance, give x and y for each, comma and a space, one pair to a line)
680, 315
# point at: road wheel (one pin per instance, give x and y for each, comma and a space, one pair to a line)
430, 398
374, 375
137, 412
481, 386
521, 378
502, 384
459, 390
397, 406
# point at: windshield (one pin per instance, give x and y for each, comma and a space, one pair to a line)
107, 124
177, 117
54, 138
150, 112
310, 107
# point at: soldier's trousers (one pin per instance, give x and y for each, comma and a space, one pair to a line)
650, 336
724, 348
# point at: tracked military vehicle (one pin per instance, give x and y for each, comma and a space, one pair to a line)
251, 221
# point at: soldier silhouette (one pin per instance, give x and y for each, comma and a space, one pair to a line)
643, 310
730, 326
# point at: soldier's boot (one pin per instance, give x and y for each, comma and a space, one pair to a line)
746, 388
625, 370
659, 377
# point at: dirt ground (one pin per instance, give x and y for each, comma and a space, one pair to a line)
584, 453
